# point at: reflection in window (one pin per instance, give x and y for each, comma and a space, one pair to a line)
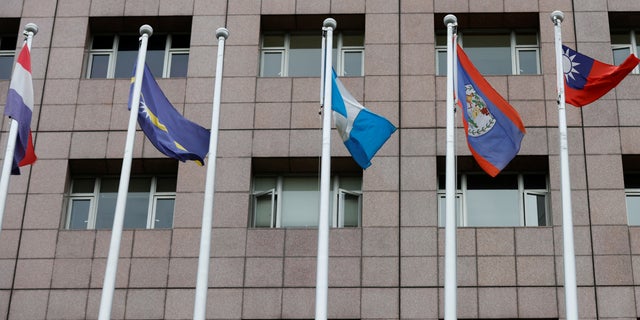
113, 56
624, 43
299, 55
506, 200
7, 53
293, 201
150, 202
495, 53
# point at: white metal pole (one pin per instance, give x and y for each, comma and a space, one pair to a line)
202, 282
322, 269
570, 290
450, 254
30, 30
121, 201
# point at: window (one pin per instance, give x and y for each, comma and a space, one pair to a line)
289, 195
298, 55
92, 197
624, 43
7, 53
495, 53
112, 54
291, 46
632, 195
513, 198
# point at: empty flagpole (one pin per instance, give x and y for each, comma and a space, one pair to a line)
202, 282
322, 269
30, 30
570, 290
450, 254
121, 201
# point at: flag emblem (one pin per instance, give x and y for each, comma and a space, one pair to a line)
480, 119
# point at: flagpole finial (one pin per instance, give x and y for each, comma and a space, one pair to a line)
222, 32
146, 29
450, 19
330, 22
557, 16
32, 28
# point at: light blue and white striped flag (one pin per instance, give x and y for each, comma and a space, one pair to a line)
362, 131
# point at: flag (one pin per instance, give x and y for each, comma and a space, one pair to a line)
492, 126
166, 128
19, 107
587, 79
363, 132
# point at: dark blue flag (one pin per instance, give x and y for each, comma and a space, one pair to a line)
166, 128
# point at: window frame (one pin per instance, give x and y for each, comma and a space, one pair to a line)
94, 197
514, 46
284, 50
632, 46
462, 212
337, 207
113, 54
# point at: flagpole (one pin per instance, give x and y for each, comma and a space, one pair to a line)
121, 201
570, 290
450, 277
322, 269
30, 30
202, 282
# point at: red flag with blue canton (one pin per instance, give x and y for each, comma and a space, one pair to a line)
493, 127
587, 79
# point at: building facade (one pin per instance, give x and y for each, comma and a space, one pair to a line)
387, 240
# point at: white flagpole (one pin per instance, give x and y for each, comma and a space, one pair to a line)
322, 269
202, 282
30, 30
570, 290
450, 255
121, 201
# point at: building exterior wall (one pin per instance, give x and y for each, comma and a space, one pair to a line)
392, 266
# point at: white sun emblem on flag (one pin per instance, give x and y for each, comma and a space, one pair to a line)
568, 65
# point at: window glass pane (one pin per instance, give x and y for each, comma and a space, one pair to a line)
8, 43
166, 184
179, 64
106, 203
271, 64
535, 181
632, 180
351, 183
633, 209
79, 213
139, 184
620, 54
270, 41
535, 210
442, 62
263, 207
528, 61
491, 54
262, 184
353, 63
530, 39
99, 66
351, 205
127, 56
135, 215
155, 61
102, 42
352, 40
6, 63
441, 39
620, 38
164, 213
300, 202
304, 56
180, 40
442, 209
492, 208
83, 185
485, 182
